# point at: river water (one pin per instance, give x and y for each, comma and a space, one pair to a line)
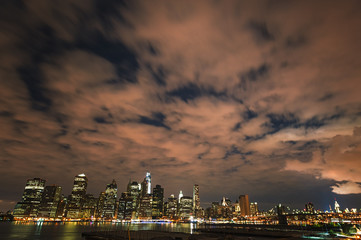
73, 230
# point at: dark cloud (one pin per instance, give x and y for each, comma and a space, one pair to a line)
260, 31
156, 120
192, 91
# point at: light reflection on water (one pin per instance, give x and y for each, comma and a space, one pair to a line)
73, 230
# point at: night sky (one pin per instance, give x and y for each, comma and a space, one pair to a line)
241, 97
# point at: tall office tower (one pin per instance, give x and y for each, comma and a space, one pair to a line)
172, 207
254, 209
180, 195
186, 207
146, 185
244, 205
145, 207
133, 190
125, 207
337, 207
77, 197
157, 204
196, 202
110, 201
50, 202
29, 205
90, 206
100, 205
61, 212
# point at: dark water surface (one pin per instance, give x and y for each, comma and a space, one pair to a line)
73, 230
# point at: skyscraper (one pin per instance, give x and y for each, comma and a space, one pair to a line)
172, 207
89, 206
244, 205
49, 202
254, 209
145, 207
186, 207
110, 201
180, 195
146, 185
77, 196
125, 207
133, 190
29, 205
196, 202
100, 205
157, 204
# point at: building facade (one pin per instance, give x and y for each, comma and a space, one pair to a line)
77, 197
244, 205
50, 202
30, 203
110, 201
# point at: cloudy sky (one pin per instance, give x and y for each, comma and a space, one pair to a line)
241, 97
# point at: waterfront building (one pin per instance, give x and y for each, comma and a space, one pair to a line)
50, 202
253, 208
100, 205
158, 199
77, 196
29, 205
90, 206
134, 190
110, 201
180, 195
145, 207
196, 202
172, 207
146, 185
244, 205
186, 207
125, 207
337, 207
61, 211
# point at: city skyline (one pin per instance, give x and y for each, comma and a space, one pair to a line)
245, 206
240, 97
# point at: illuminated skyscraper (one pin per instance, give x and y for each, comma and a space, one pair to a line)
244, 205
172, 207
110, 201
180, 196
145, 207
186, 207
100, 205
125, 207
49, 202
134, 190
157, 204
146, 185
254, 209
196, 202
89, 206
31, 199
77, 197
337, 207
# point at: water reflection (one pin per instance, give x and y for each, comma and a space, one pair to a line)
73, 230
